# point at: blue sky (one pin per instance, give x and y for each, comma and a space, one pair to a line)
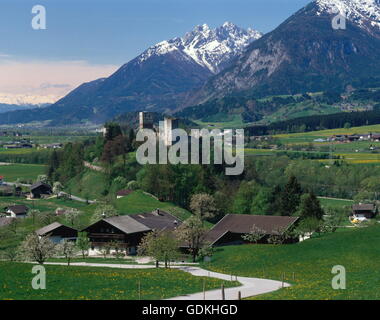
104, 34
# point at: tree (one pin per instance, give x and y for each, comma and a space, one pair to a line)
53, 166
280, 235
72, 215
113, 130
260, 203
244, 198
132, 185
10, 254
47, 218
42, 178
290, 197
104, 211
161, 245
119, 250
37, 248
206, 251
308, 226
57, 188
203, 206
333, 220
310, 207
33, 214
83, 243
254, 235
192, 232
67, 249
13, 226
105, 249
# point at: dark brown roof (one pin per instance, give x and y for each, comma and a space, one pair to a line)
40, 184
157, 220
126, 224
243, 223
124, 192
363, 207
51, 227
18, 209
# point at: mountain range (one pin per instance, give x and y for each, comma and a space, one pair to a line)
303, 54
157, 80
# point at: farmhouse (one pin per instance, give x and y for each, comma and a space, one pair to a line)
232, 227
58, 232
363, 211
17, 211
39, 190
128, 230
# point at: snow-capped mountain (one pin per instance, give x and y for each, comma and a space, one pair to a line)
210, 48
160, 79
27, 99
306, 53
365, 13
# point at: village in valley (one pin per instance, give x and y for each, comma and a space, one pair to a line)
142, 223
154, 152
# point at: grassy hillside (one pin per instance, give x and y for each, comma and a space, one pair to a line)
311, 263
90, 184
93, 283
139, 202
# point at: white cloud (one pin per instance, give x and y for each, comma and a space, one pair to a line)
50, 79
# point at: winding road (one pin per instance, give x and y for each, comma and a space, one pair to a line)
249, 286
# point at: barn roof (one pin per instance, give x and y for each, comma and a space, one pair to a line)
18, 209
363, 207
157, 220
126, 224
243, 223
39, 184
49, 228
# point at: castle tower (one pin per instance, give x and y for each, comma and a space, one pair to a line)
145, 120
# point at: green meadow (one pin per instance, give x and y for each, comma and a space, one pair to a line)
95, 283
307, 266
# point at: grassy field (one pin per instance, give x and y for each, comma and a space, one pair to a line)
24, 172
307, 265
44, 139
335, 203
93, 283
310, 136
229, 122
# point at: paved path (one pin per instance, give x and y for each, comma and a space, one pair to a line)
250, 286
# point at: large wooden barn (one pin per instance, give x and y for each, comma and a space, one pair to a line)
232, 227
129, 230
